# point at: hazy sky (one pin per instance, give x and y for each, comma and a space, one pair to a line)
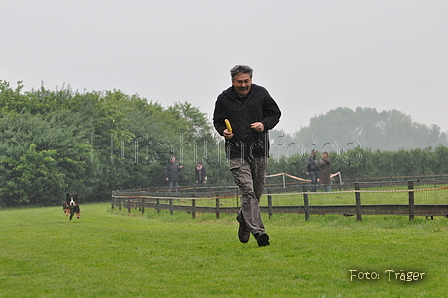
312, 56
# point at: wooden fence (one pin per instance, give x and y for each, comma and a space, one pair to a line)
164, 201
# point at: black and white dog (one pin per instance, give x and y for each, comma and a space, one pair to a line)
71, 206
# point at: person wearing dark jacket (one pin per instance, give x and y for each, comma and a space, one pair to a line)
251, 112
325, 171
172, 174
312, 169
200, 174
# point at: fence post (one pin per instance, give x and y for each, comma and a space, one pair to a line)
411, 200
171, 206
157, 205
269, 203
193, 212
306, 203
143, 205
358, 202
217, 208
129, 205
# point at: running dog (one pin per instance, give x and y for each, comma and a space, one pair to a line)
71, 206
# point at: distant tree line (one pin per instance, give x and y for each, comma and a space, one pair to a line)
58, 141
364, 127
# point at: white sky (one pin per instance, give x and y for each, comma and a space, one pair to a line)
312, 56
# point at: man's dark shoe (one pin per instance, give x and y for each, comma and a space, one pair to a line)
243, 231
262, 239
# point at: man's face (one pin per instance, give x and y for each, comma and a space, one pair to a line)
242, 83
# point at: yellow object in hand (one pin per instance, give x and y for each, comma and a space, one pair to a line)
229, 127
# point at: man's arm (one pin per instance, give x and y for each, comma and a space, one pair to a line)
271, 113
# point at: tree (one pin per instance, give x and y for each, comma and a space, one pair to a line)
387, 130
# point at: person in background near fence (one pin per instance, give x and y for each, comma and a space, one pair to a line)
312, 169
325, 171
252, 112
200, 174
172, 174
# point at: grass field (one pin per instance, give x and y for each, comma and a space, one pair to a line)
110, 253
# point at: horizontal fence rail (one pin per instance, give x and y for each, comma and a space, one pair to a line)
193, 201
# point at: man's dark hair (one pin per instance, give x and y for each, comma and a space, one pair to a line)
241, 69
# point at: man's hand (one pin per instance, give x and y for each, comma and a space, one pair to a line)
228, 135
257, 126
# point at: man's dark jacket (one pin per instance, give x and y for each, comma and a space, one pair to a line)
172, 172
257, 106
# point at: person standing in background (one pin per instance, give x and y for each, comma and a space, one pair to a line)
325, 171
200, 174
312, 169
172, 174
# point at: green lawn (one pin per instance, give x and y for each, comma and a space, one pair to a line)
110, 253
